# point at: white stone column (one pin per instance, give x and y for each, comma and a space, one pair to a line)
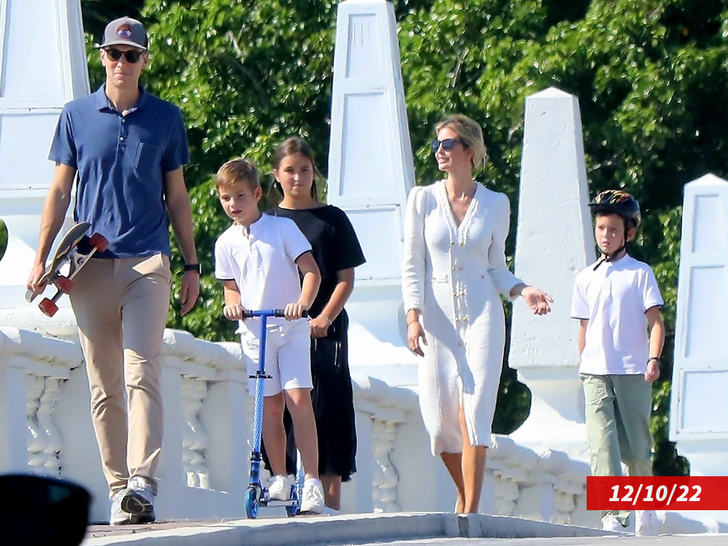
13, 422
699, 405
370, 173
47, 34
554, 242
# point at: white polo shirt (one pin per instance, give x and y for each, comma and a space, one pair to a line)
614, 299
262, 262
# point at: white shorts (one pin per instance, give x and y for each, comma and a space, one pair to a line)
287, 357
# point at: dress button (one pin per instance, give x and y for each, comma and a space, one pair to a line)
452, 242
121, 138
460, 344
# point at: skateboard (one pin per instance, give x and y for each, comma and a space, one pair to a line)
74, 249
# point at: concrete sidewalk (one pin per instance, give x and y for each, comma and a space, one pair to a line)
344, 529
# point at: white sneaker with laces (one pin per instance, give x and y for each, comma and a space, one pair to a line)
139, 500
645, 524
312, 501
118, 516
279, 487
612, 524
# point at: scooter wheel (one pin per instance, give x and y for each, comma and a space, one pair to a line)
99, 242
252, 501
48, 307
292, 511
64, 284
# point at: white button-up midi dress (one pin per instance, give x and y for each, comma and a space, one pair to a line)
454, 275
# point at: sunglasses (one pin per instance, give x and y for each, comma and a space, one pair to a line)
447, 144
132, 56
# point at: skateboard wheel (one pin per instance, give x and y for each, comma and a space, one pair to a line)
251, 502
48, 307
64, 284
99, 242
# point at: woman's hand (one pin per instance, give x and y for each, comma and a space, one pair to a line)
319, 326
416, 337
537, 300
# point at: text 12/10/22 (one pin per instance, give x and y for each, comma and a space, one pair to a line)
657, 493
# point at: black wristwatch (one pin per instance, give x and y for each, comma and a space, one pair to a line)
194, 267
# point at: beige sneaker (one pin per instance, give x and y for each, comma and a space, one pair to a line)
645, 524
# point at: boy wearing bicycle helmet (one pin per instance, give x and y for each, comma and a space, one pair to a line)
617, 301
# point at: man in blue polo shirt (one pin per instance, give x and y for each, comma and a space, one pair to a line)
126, 149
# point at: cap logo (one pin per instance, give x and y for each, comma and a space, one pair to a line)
124, 31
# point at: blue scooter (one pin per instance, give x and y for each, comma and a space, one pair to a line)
256, 494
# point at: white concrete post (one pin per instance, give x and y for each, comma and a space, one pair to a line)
554, 242
370, 173
13, 422
699, 405
37, 33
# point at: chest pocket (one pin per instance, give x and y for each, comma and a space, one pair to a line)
147, 158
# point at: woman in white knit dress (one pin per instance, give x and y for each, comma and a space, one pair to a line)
454, 270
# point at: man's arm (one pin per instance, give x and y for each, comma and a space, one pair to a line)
180, 214
657, 341
54, 213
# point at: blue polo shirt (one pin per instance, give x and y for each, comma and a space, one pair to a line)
121, 162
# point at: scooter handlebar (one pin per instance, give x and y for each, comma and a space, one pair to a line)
249, 313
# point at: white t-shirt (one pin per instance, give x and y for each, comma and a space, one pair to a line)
614, 299
262, 262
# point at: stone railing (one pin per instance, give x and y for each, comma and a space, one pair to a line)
45, 427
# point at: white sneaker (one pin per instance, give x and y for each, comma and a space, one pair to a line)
139, 500
313, 497
612, 524
645, 524
331, 511
279, 487
118, 516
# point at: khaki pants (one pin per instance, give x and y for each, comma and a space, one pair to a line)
618, 425
121, 309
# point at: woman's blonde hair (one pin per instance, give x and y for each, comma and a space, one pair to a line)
470, 133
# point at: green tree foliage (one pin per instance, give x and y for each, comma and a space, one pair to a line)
98, 13
651, 78
3, 239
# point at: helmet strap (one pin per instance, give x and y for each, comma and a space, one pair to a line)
610, 257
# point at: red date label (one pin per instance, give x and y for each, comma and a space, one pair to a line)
657, 493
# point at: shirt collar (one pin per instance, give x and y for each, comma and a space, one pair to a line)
103, 102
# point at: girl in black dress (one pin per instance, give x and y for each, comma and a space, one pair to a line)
337, 252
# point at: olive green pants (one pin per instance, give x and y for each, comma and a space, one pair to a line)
618, 425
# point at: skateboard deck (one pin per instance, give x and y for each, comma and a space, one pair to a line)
68, 252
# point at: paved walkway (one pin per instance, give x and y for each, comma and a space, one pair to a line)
412, 529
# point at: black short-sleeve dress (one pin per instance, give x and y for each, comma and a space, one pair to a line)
335, 247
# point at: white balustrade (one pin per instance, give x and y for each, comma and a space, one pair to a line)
45, 427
